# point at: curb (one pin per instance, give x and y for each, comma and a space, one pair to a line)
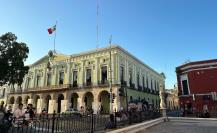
139, 127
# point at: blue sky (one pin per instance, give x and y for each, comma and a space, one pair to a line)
161, 33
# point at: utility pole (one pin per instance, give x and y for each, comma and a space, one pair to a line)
110, 71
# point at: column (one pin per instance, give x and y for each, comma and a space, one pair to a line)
14, 107
52, 106
34, 78
30, 101
64, 105
54, 76
117, 100
118, 69
40, 104
24, 83
68, 73
80, 103
95, 104
81, 75
162, 102
140, 77
127, 72
43, 83
96, 73
134, 75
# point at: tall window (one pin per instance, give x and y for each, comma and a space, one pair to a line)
104, 74
138, 83
88, 77
122, 74
28, 82
151, 85
130, 77
75, 78
147, 82
185, 87
38, 81
48, 79
143, 82
61, 78
155, 85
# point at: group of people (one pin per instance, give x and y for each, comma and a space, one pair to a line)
19, 117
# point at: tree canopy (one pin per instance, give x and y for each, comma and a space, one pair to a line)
12, 57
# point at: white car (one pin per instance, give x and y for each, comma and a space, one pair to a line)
72, 111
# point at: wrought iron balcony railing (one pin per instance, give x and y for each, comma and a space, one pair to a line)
103, 83
51, 87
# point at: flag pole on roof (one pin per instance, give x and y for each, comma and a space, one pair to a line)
51, 30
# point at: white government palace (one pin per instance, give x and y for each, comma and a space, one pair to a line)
58, 82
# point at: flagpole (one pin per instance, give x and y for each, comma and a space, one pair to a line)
55, 37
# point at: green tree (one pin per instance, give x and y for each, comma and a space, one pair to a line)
12, 57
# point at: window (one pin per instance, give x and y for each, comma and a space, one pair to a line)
104, 74
48, 79
151, 85
61, 78
130, 77
28, 82
75, 78
147, 82
38, 81
88, 77
122, 74
143, 82
138, 83
185, 87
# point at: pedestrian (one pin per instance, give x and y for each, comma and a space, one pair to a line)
82, 110
19, 114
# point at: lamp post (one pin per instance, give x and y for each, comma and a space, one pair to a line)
110, 71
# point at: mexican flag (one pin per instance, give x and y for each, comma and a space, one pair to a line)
52, 29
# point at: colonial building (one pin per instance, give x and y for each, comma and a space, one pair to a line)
4, 90
58, 82
172, 99
197, 85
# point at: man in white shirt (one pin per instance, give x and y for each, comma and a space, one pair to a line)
18, 114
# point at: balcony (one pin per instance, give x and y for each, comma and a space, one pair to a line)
123, 83
132, 86
87, 84
51, 88
139, 88
74, 84
103, 83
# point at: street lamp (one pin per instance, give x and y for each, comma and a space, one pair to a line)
110, 71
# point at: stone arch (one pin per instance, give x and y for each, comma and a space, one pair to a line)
35, 102
74, 101
26, 99
47, 98
19, 100
104, 99
11, 101
88, 99
59, 99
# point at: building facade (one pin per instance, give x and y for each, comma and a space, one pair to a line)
197, 85
172, 99
4, 91
58, 82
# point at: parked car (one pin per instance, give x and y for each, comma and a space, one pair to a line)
72, 111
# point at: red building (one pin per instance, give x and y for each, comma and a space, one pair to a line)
197, 86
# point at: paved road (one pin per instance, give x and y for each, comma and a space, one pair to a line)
182, 127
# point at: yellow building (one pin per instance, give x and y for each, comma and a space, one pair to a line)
172, 98
82, 80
